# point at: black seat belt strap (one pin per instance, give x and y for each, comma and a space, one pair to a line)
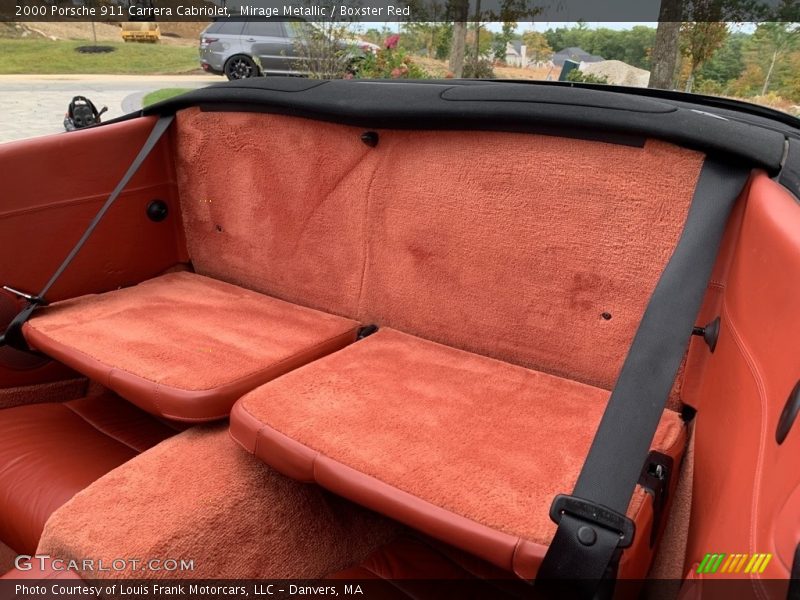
13, 334
592, 526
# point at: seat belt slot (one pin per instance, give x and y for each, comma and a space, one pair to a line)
366, 331
655, 479
593, 514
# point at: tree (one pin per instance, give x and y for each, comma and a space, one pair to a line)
537, 47
508, 11
727, 64
376, 36
479, 41
632, 46
501, 40
566, 37
699, 40
664, 57
459, 10
425, 36
771, 42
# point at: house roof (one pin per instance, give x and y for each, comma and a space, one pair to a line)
514, 47
576, 54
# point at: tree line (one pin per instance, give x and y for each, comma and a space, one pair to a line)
720, 58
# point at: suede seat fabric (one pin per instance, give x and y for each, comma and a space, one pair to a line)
199, 496
466, 448
537, 250
182, 345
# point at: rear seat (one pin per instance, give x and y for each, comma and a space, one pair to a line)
490, 256
51, 451
182, 345
467, 449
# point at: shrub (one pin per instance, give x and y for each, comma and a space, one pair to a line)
319, 52
480, 69
579, 76
390, 62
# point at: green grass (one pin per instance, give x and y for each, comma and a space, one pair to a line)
42, 57
163, 94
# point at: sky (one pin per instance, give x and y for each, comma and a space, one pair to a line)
540, 26
545, 25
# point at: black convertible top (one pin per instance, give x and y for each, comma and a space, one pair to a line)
755, 136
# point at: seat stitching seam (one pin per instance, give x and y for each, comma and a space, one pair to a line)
102, 431
367, 204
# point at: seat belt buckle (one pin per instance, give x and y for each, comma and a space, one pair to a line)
594, 514
37, 300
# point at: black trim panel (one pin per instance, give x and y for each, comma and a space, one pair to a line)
507, 107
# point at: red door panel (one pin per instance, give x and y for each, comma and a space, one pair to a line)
50, 190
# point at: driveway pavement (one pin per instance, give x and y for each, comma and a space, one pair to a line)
32, 105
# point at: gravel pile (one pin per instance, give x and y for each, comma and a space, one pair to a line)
618, 72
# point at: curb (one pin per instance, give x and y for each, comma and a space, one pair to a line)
133, 102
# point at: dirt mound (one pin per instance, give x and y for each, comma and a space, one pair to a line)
618, 72
9, 30
187, 30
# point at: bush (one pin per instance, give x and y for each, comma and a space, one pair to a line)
578, 76
319, 52
390, 62
480, 69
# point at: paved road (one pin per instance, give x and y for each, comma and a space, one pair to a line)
32, 105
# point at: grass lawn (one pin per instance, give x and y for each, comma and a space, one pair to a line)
163, 94
59, 57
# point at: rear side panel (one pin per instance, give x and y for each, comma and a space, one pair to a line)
747, 486
52, 188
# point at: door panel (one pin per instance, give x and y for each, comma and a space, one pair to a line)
267, 41
747, 486
52, 188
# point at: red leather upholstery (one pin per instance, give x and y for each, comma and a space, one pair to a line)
416, 557
49, 452
422, 569
463, 448
185, 346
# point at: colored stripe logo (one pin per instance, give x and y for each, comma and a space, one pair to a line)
713, 563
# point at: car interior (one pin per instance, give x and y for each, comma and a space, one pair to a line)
375, 339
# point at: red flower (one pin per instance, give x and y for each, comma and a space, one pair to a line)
391, 42
396, 73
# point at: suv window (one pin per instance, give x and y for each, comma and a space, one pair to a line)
300, 29
229, 27
269, 28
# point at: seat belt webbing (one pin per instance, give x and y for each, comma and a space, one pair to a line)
13, 334
592, 526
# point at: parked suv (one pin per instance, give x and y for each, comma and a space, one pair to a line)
240, 49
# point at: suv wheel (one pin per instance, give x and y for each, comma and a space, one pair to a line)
240, 67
